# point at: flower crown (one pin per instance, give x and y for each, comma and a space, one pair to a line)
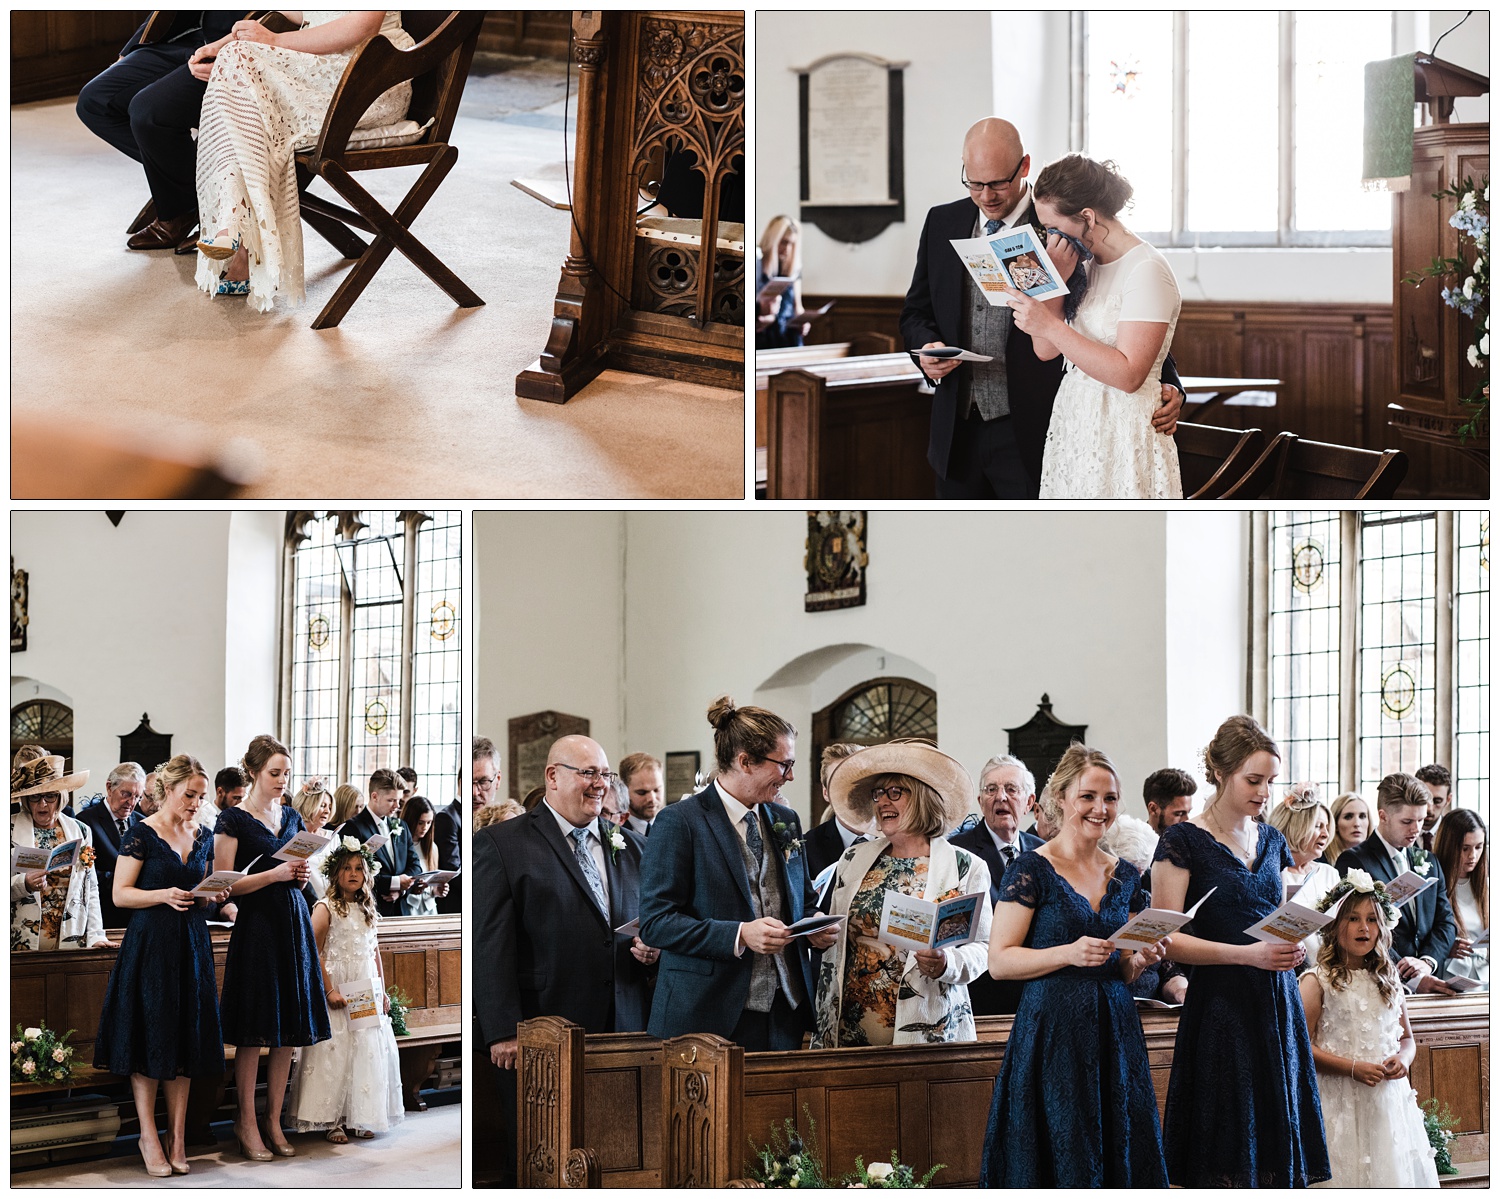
1301, 796
342, 851
1359, 882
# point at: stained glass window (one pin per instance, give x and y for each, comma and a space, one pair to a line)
370, 686
885, 710
1471, 666
1130, 101
1306, 596
43, 722
1368, 679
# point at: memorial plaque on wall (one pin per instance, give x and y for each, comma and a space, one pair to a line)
681, 775
835, 560
1042, 741
850, 121
530, 739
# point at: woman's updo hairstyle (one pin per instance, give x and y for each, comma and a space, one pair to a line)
262, 749
1237, 738
1077, 758
752, 731
1074, 183
174, 774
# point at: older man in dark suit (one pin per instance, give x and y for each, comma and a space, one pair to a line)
1423, 937
550, 889
989, 419
111, 817
724, 874
1006, 787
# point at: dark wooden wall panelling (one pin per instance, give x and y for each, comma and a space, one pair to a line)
1336, 363
543, 34
55, 53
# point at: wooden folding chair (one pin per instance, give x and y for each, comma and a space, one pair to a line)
1213, 459
438, 67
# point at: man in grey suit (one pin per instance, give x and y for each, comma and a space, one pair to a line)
725, 873
550, 888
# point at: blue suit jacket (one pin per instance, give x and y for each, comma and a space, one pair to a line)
978, 841
695, 894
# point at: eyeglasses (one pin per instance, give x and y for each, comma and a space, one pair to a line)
994, 185
786, 767
486, 783
894, 794
591, 775
994, 789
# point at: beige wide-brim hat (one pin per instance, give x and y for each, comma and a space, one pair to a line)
36, 772
849, 786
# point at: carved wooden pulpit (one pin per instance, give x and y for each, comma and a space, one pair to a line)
654, 281
1433, 377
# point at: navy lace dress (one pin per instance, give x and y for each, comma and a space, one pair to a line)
1242, 1106
161, 1013
1074, 1105
273, 989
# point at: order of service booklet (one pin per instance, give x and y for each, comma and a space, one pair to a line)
1288, 924
302, 846
1149, 927
1011, 260
222, 880
912, 923
24, 859
363, 1002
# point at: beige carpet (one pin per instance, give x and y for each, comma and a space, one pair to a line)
424, 1151
409, 397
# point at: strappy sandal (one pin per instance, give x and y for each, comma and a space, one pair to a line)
336, 1136
364, 1134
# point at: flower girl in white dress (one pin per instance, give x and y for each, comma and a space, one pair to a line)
353, 1080
1362, 1044
1100, 440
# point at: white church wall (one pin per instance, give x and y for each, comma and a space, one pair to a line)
1207, 618
126, 620
252, 623
538, 573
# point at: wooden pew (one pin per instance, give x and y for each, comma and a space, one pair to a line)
633, 1111
770, 362
422, 955
846, 428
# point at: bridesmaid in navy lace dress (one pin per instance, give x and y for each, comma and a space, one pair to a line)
160, 1021
1242, 1106
273, 990
1074, 1105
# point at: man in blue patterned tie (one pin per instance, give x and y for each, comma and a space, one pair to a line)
550, 889
989, 419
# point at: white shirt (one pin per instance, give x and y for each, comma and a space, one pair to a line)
1004, 845
637, 825
1397, 856
736, 811
1008, 221
846, 835
596, 847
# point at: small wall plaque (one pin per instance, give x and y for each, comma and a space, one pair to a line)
835, 560
682, 774
530, 739
20, 599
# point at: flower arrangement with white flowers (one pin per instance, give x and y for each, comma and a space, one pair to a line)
41, 1055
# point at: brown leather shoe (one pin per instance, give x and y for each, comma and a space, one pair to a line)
163, 235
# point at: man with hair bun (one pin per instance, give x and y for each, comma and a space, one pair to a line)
989, 419
110, 817
724, 874
1423, 937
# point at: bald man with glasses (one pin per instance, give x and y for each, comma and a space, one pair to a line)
989, 420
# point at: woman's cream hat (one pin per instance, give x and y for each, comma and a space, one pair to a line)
849, 785
36, 772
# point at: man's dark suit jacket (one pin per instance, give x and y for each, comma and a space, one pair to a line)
106, 853
1426, 928
934, 312
993, 996
543, 946
397, 856
695, 894
825, 845
447, 835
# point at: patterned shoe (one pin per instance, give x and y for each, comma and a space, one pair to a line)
233, 287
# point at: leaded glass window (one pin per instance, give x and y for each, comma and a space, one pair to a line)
1365, 672
43, 722
884, 710
370, 686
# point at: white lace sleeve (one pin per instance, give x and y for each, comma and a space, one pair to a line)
1149, 292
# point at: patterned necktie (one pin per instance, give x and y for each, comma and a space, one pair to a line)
859, 840
991, 228
1007, 856
590, 870
752, 839
121, 823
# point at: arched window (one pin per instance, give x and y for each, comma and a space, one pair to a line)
876, 711
372, 672
43, 722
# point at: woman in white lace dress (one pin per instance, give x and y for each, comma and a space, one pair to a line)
267, 96
1100, 443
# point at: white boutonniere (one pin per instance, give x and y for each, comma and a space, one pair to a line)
393, 826
1421, 862
613, 838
